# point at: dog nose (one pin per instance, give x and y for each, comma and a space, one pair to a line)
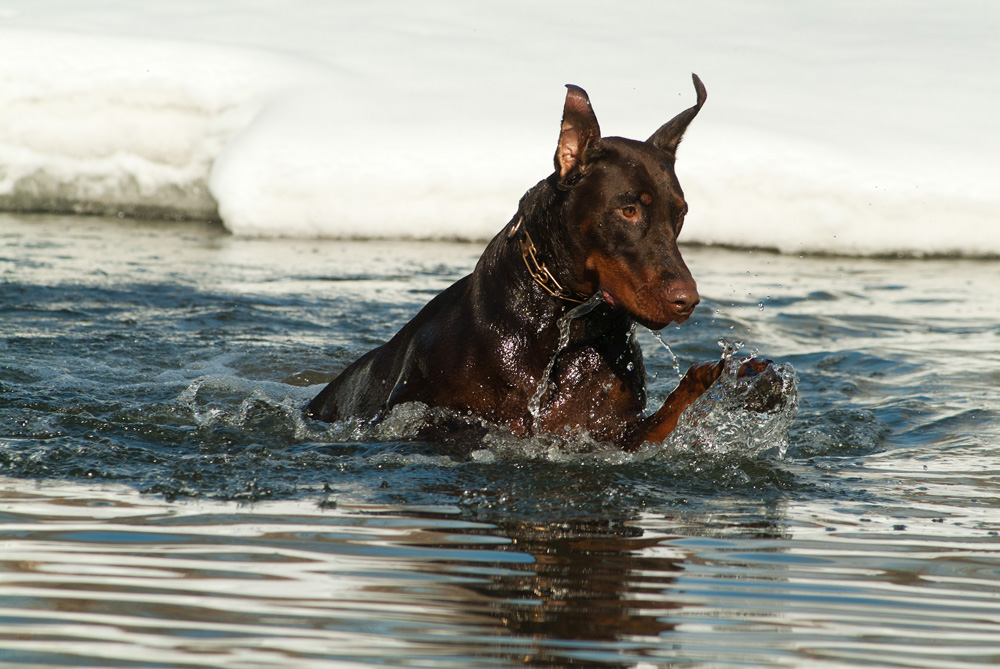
683, 298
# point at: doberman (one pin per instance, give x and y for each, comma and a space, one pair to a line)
601, 229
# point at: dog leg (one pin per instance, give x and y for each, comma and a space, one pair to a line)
696, 381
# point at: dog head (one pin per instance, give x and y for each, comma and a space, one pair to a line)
624, 209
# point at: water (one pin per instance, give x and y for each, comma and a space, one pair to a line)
675, 361
164, 504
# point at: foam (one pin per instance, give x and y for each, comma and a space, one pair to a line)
858, 129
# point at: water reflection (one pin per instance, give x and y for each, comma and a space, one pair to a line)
126, 578
594, 588
91, 576
588, 583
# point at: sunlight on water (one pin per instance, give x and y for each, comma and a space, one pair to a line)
125, 577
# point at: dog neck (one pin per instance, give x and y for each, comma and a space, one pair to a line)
537, 269
536, 233
523, 276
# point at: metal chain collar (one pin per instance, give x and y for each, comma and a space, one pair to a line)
538, 271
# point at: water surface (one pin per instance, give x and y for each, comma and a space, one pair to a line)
164, 504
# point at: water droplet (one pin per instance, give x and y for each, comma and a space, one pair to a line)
676, 361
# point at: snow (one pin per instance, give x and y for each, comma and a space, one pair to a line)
852, 127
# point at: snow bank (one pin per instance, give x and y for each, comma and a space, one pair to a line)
121, 126
854, 128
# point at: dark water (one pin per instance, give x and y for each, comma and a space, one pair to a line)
163, 504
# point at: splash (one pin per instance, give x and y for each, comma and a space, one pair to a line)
673, 356
741, 415
738, 417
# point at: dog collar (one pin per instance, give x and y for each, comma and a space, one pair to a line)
538, 271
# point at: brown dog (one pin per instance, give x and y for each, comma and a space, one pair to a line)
601, 229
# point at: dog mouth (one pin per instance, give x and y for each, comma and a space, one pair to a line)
609, 299
674, 315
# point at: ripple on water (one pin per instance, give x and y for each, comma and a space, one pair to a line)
126, 577
163, 500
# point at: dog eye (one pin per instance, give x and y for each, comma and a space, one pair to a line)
630, 212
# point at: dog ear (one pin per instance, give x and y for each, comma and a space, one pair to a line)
579, 130
670, 133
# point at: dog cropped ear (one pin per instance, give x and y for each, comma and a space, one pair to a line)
579, 130
670, 133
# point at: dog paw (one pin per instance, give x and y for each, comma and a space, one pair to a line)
753, 367
764, 385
